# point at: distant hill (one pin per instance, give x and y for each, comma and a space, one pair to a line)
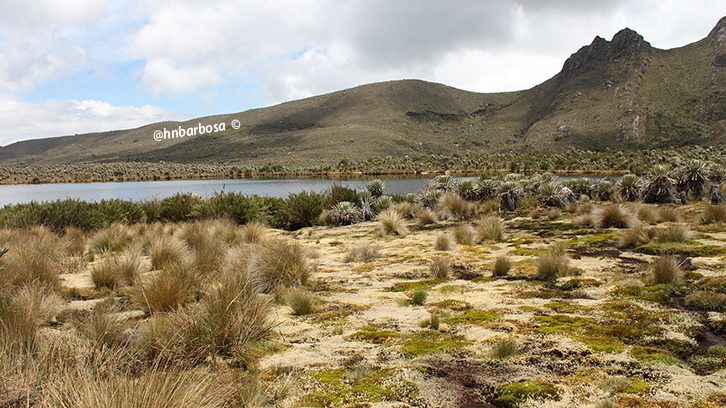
618, 94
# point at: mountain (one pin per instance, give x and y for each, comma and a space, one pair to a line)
617, 94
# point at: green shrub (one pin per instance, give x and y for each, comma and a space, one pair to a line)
504, 348
180, 207
303, 209
376, 188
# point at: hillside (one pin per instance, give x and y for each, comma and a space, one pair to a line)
622, 94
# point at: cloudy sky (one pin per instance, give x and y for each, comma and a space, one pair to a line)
77, 66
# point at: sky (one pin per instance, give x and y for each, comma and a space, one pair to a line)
77, 66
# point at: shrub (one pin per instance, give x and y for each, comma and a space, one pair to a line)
376, 188
502, 266
614, 216
381, 203
425, 216
345, 213
392, 222
464, 234
510, 195
553, 264
693, 177
491, 229
673, 233
443, 243
468, 190
504, 349
418, 298
166, 251
659, 187
301, 302
628, 187
666, 269
167, 290
234, 206
281, 263
714, 214
550, 195
602, 190
303, 209
362, 252
340, 194
180, 207
440, 266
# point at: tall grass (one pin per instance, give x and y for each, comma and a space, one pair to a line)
464, 234
440, 267
115, 238
713, 214
502, 266
166, 290
32, 257
392, 223
22, 313
666, 269
614, 216
443, 243
553, 263
165, 251
490, 229
281, 263
117, 271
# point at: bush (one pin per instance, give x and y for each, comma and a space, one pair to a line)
301, 302
281, 263
180, 207
628, 187
659, 187
376, 188
303, 209
502, 266
464, 234
440, 267
167, 290
550, 195
693, 177
443, 243
666, 269
340, 194
491, 229
392, 222
363, 253
713, 214
614, 216
418, 298
553, 264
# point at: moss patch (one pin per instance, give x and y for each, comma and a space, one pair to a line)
431, 342
681, 248
451, 304
374, 334
652, 355
338, 387
425, 284
515, 394
473, 316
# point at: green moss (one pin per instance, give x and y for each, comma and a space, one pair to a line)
425, 284
652, 355
681, 248
515, 394
594, 240
473, 316
451, 304
578, 283
526, 252
452, 289
659, 293
374, 334
620, 384
431, 342
338, 387
563, 307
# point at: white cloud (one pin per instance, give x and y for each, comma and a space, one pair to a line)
21, 120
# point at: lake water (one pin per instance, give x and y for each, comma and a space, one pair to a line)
146, 190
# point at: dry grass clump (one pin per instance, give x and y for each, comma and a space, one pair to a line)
208, 254
635, 236
666, 269
116, 271
167, 290
502, 266
392, 222
418, 298
239, 259
165, 251
440, 267
668, 214
443, 243
614, 216
454, 206
364, 252
553, 263
30, 262
103, 329
281, 263
706, 300
301, 301
713, 214
112, 239
673, 233
253, 232
74, 240
425, 217
504, 349
22, 313
405, 209
464, 234
648, 215
491, 229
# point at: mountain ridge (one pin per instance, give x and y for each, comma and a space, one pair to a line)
617, 94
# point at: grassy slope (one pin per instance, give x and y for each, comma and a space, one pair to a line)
657, 97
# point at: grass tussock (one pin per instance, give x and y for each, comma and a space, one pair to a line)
22, 313
504, 349
440, 267
553, 263
464, 234
443, 243
666, 269
300, 301
418, 297
103, 329
714, 214
115, 238
364, 252
669, 214
281, 263
490, 229
614, 216
167, 290
425, 216
392, 222
648, 215
166, 251
253, 232
673, 233
74, 240
116, 271
30, 261
635, 236
502, 266
454, 206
